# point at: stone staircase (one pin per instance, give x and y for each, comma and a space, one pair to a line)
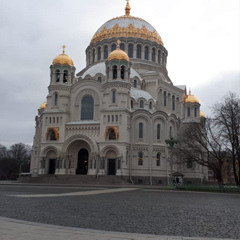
76, 180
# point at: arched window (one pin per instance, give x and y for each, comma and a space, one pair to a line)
188, 112
170, 131
130, 50
114, 96
56, 99
57, 75
122, 72
131, 103
165, 98
99, 79
122, 46
173, 102
93, 55
158, 159
153, 55
114, 72
112, 134
140, 158
159, 57
105, 52
150, 105
135, 83
99, 53
141, 103
65, 76
158, 131
139, 51
195, 112
87, 108
146, 55
140, 133
113, 47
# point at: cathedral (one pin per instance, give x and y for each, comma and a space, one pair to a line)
113, 117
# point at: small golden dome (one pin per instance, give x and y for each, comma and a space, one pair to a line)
190, 98
43, 105
202, 114
118, 54
63, 59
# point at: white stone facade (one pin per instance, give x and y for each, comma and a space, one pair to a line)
99, 124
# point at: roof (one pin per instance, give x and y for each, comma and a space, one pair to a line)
137, 93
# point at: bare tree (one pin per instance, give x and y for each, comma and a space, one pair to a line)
201, 144
20, 152
227, 123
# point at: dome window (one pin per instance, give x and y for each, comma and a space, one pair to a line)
150, 105
159, 57
113, 47
173, 102
141, 104
122, 72
105, 52
122, 46
99, 79
99, 53
135, 83
65, 76
153, 55
130, 50
188, 112
131, 103
195, 112
139, 51
93, 55
146, 53
57, 75
114, 72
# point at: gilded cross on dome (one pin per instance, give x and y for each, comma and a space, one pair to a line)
127, 8
118, 44
63, 49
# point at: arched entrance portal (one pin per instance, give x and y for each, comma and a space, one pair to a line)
82, 163
112, 158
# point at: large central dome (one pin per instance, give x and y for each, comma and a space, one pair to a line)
127, 26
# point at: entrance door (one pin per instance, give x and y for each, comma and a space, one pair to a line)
111, 166
52, 166
82, 166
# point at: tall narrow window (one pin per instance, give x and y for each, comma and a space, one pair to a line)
135, 83
158, 131
165, 98
105, 52
113, 47
99, 79
114, 72
57, 75
99, 53
114, 96
195, 112
139, 51
130, 50
87, 108
158, 159
122, 72
170, 132
150, 105
159, 57
122, 46
153, 55
131, 103
141, 104
140, 159
55, 99
65, 76
93, 55
188, 112
140, 130
146, 55
173, 102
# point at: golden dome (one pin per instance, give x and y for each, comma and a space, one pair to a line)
63, 59
202, 114
190, 98
43, 105
118, 54
127, 26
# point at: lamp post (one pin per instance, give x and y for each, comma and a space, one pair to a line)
171, 142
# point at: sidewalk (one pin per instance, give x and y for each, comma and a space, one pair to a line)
22, 230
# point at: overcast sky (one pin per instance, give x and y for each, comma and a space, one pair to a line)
201, 36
